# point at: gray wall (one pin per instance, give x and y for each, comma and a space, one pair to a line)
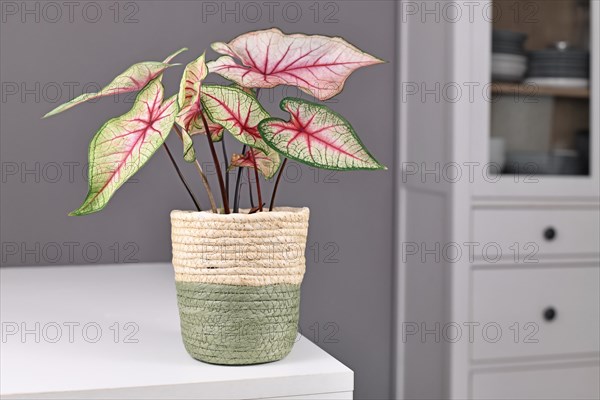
347, 289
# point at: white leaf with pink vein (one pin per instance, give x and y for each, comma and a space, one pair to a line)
124, 144
317, 136
318, 65
266, 162
132, 79
189, 117
237, 111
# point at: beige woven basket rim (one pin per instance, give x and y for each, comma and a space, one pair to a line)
278, 212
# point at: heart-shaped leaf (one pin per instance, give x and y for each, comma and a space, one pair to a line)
267, 163
189, 117
132, 79
124, 144
237, 111
317, 136
318, 65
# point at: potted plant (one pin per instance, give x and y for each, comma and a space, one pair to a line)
238, 272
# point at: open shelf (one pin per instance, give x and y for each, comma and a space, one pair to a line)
531, 90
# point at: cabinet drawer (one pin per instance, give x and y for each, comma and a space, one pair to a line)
536, 232
530, 312
574, 382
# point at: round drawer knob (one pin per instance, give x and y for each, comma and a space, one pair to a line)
549, 233
550, 314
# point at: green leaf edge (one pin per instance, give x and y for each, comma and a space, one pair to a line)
94, 95
312, 164
77, 212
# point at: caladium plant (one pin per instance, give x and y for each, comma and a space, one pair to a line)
314, 134
318, 65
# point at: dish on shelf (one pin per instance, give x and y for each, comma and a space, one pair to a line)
508, 42
561, 62
508, 67
558, 63
558, 54
507, 49
504, 35
553, 72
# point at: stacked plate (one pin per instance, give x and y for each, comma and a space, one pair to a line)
509, 62
559, 66
508, 42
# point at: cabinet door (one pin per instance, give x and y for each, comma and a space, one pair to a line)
535, 138
566, 382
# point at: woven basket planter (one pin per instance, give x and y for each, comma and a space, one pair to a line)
238, 282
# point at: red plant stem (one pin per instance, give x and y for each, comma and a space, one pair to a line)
211, 198
224, 149
260, 203
277, 184
238, 180
236, 195
250, 189
217, 165
181, 176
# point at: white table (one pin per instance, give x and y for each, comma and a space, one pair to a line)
112, 331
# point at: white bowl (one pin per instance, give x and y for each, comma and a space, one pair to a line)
508, 67
512, 58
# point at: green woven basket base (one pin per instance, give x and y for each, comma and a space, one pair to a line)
237, 325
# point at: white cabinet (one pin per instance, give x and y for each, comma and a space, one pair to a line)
498, 274
112, 332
